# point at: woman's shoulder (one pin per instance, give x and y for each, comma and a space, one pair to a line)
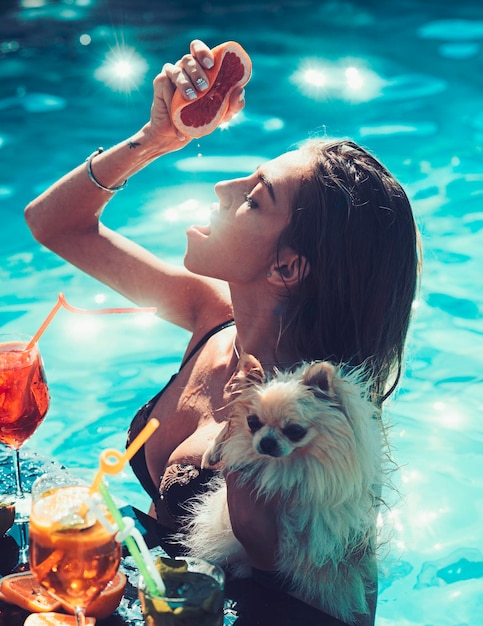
195, 303
205, 332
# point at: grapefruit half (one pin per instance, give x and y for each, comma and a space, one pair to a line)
200, 117
23, 590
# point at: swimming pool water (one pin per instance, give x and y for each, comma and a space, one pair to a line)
405, 80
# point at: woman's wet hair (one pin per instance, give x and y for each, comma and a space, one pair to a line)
354, 224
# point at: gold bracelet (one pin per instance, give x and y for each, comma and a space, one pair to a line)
94, 179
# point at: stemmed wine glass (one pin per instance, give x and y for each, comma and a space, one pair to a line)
73, 550
24, 400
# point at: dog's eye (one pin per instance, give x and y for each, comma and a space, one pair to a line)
294, 432
254, 423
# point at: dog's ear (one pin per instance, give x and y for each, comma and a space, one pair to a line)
320, 375
249, 370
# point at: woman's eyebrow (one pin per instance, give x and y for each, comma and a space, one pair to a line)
262, 178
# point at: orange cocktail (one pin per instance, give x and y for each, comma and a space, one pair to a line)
24, 396
71, 553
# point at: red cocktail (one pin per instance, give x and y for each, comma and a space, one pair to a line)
24, 399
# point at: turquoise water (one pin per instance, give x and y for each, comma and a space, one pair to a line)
413, 96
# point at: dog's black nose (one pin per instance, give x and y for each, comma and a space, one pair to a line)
269, 445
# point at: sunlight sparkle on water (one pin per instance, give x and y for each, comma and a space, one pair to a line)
81, 328
354, 78
236, 119
448, 416
320, 80
122, 70
315, 77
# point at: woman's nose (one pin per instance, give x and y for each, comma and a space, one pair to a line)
222, 190
228, 190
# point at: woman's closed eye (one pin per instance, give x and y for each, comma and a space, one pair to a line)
252, 204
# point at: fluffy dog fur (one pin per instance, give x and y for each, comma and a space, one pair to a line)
308, 438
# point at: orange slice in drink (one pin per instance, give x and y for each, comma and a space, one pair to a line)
23, 590
55, 619
108, 601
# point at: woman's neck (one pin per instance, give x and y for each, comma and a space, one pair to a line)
258, 322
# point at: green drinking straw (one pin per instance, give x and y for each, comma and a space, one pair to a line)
111, 462
136, 546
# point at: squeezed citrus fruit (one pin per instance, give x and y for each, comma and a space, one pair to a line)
199, 117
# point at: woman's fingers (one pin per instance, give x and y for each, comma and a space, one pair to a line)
189, 77
202, 53
237, 103
188, 74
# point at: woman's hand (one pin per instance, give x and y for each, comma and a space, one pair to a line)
254, 523
189, 77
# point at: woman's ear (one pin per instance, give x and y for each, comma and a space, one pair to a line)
289, 270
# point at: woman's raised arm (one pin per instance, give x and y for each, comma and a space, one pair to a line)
66, 217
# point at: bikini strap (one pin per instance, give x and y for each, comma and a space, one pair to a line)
205, 338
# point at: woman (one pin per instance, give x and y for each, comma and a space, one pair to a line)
313, 256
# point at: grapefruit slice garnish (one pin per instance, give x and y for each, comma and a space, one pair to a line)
23, 590
55, 619
199, 117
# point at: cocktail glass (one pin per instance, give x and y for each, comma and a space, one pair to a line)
24, 400
73, 549
194, 594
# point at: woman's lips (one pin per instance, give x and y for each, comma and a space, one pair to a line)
201, 230
205, 229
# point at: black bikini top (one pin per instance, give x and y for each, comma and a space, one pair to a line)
179, 482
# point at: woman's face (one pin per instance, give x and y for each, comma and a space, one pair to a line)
239, 244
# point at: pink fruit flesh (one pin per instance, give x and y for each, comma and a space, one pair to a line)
203, 111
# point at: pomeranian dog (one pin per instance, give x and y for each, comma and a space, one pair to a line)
311, 440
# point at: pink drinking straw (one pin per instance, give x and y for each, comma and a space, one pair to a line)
61, 301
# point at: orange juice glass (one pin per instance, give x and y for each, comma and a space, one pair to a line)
72, 554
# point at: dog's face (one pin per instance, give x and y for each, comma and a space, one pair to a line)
282, 414
277, 426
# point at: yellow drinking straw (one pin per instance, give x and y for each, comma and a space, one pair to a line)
62, 302
112, 462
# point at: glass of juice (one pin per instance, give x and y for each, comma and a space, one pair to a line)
194, 594
72, 554
24, 400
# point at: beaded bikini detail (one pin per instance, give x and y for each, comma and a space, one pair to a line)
179, 483
178, 473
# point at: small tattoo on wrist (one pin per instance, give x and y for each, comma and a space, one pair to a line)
133, 144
